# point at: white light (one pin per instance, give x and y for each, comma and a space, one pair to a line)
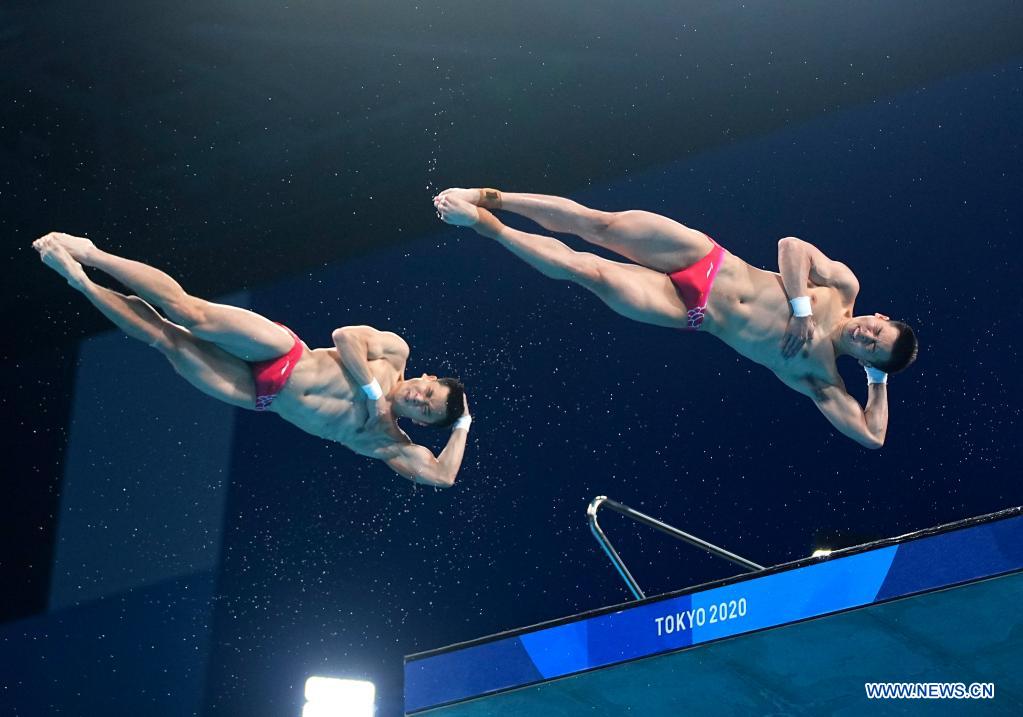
821, 553
332, 697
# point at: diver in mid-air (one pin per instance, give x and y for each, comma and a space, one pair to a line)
796, 321
351, 393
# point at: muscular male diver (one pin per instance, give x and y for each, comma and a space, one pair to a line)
796, 321
351, 392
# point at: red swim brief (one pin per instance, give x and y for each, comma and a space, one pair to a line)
695, 282
271, 375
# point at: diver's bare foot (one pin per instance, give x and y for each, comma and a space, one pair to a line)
80, 248
485, 197
55, 256
456, 210
470, 195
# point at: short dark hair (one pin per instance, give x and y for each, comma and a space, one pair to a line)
455, 406
904, 349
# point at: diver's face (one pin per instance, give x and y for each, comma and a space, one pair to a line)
870, 338
422, 399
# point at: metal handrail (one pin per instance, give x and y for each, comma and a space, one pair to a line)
619, 565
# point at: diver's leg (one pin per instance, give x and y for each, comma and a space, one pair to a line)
240, 332
633, 291
208, 368
651, 240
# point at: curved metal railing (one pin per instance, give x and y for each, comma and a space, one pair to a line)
619, 565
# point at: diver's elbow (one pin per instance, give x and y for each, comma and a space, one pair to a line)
788, 243
872, 443
340, 336
438, 480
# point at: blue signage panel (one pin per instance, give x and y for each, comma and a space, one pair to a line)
673, 623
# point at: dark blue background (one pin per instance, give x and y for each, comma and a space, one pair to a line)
305, 132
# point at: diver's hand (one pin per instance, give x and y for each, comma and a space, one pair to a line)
470, 195
378, 414
80, 248
455, 210
874, 375
799, 331
465, 420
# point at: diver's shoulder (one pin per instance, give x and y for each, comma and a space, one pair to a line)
832, 303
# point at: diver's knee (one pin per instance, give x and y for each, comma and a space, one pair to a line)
603, 225
629, 221
187, 311
166, 342
170, 339
589, 271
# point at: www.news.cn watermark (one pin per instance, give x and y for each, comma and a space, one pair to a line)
929, 690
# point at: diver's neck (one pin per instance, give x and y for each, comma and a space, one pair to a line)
838, 339
394, 389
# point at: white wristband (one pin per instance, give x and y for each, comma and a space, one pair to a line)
801, 306
464, 421
373, 390
875, 375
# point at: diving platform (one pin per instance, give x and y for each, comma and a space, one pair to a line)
939, 611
